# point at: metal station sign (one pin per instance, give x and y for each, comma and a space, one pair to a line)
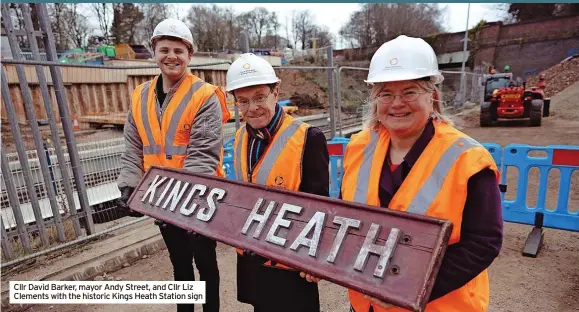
393, 256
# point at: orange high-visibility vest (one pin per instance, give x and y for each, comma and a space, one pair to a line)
280, 165
165, 144
436, 186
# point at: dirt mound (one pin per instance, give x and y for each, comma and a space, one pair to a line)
565, 104
303, 88
308, 88
558, 77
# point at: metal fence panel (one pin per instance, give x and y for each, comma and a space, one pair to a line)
450, 88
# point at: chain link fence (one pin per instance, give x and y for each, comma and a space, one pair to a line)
453, 96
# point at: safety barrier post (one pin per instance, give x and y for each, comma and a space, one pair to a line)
336, 150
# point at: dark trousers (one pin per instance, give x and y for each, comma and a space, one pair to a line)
183, 248
270, 289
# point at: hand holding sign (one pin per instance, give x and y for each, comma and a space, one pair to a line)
392, 256
310, 278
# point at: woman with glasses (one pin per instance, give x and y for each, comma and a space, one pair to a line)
410, 158
274, 149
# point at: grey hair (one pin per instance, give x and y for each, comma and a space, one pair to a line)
372, 120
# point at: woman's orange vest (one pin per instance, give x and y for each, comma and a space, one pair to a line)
280, 165
165, 144
436, 186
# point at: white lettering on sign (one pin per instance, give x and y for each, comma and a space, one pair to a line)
200, 188
152, 188
164, 192
261, 219
175, 195
175, 189
344, 223
385, 251
206, 214
281, 222
317, 222
173, 198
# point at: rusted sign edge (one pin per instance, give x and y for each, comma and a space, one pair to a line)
435, 259
434, 265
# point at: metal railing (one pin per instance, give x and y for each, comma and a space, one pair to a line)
60, 191
450, 88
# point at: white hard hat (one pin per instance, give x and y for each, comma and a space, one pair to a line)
249, 70
404, 58
173, 28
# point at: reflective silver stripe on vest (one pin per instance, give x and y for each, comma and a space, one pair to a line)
425, 196
275, 151
238, 172
361, 193
153, 148
171, 149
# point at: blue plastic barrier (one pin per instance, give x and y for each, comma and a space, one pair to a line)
562, 158
496, 151
228, 159
336, 150
559, 157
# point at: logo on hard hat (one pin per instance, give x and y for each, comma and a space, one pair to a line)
246, 66
394, 61
173, 28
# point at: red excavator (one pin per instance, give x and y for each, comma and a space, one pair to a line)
507, 99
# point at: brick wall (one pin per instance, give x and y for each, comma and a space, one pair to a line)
540, 30
524, 46
534, 56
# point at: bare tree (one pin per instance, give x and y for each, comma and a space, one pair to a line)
257, 22
287, 28
303, 23
103, 13
376, 23
153, 14
59, 25
213, 27
126, 17
78, 26
322, 35
295, 32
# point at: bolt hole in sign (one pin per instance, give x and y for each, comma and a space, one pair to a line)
394, 256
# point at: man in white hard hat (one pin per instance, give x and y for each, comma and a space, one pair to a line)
175, 121
410, 158
274, 149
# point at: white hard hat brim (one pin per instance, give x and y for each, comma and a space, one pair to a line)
435, 78
250, 81
185, 40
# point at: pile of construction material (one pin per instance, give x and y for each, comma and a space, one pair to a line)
558, 77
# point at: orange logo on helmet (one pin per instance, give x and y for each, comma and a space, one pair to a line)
394, 61
246, 66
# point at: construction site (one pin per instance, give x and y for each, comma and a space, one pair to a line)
62, 140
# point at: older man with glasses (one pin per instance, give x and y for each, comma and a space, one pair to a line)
274, 149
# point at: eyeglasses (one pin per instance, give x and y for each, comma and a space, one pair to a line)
408, 96
259, 100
